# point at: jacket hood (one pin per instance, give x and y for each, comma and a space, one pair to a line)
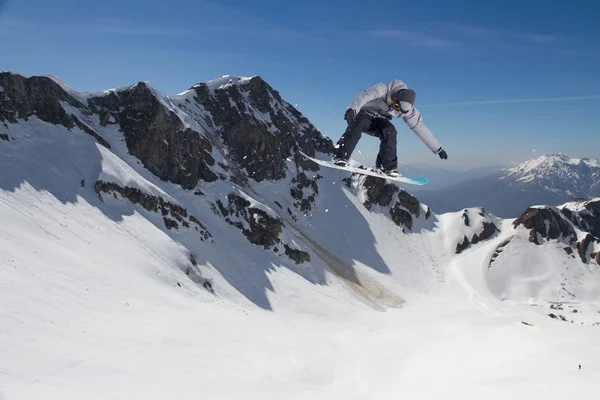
393, 87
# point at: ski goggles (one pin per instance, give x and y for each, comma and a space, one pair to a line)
403, 95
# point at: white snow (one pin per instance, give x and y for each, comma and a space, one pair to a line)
95, 301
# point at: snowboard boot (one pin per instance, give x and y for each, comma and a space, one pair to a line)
392, 172
339, 161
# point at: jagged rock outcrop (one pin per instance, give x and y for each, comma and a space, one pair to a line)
472, 217
546, 223
298, 256
158, 137
379, 192
39, 96
583, 247
403, 205
498, 251
21, 97
587, 217
173, 214
303, 184
551, 223
259, 127
489, 229
257, 225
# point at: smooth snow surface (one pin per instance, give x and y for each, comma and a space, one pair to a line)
97, 300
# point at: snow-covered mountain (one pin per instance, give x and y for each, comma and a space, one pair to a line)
156, 246
549, 179
558, 173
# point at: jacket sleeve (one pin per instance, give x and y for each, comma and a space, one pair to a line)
367, 95
414, 121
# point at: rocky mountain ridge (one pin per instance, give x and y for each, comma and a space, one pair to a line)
221, 157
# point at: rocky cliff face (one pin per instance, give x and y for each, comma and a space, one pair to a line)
231, 129
258, 126
585, 215
550, 223
403, 207
39, 95
158, 137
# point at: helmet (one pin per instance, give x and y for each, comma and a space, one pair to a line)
403, 96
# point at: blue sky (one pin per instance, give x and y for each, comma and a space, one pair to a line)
496, 81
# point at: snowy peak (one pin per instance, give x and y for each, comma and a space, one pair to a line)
223, 82
558, 173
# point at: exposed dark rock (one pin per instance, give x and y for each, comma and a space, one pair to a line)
4, 136
107, 118
583, 247
298, 256
82, 183
379, 192
303, 182
155, 204
260, 228
588, 219
196, 277
568, 250
260, 146
207, 284
159, 139
428, 213
401, 217
382, 193
108, 102
489, 229
465, 217
170, 223
598, 258
39, 95
547, 223
409, 202
462, 246
497, 252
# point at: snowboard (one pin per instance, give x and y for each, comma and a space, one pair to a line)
369, 171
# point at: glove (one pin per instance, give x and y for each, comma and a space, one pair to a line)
349, 115
442, 153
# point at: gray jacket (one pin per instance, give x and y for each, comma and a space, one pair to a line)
376, 102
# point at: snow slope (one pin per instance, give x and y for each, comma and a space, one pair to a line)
98, 299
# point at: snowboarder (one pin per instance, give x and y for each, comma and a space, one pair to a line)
371, 112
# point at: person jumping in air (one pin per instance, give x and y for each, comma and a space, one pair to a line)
371, 112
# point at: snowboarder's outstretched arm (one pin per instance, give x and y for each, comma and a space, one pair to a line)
367, 95
415, 122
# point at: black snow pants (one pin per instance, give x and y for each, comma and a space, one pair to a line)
375, 126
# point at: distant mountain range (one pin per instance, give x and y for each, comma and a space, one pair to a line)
550, 179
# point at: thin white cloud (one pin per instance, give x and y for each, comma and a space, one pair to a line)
509, 101
414, 38
495, 34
